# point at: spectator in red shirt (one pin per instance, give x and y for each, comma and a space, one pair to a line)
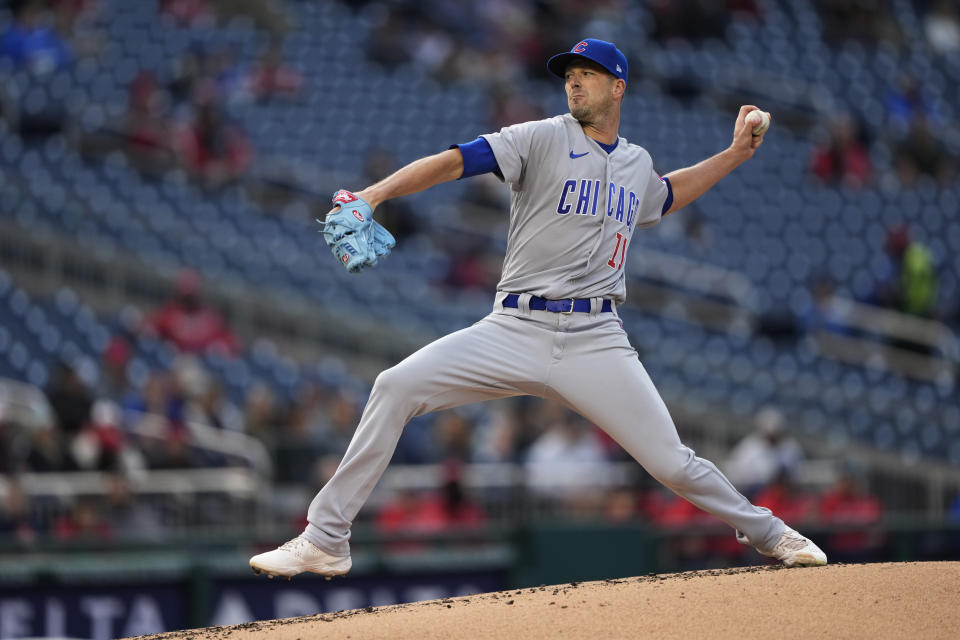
148, 127
190, 324
469, 269
273, 77
188, 12
673, 512
82, 522
446, 510
854, 512
213, 150
784, 499
842, 158
695, 538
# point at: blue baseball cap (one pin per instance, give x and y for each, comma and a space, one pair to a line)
602, 52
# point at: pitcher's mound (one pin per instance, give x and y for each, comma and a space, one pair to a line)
917, 599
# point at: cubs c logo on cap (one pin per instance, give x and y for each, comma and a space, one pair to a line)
581, 46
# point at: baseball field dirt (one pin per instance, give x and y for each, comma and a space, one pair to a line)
917, 599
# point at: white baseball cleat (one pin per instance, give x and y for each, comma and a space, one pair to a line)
793, 550
298, 556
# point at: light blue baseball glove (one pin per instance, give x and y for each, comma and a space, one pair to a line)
356, 239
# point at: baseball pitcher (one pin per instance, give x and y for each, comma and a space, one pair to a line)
578, 193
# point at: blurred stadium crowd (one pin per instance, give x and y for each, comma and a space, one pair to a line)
166, 129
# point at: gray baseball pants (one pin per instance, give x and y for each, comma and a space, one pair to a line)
582, 360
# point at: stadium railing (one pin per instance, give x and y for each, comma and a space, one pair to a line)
875, 337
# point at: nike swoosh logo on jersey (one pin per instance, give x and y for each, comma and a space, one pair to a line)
574, 156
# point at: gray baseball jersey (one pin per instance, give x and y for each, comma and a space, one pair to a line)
574, 208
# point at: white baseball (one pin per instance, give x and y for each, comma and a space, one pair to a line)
759, 120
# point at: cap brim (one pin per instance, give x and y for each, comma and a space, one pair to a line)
558, 63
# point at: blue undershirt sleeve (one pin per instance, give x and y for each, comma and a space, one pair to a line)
669, 201
477, 158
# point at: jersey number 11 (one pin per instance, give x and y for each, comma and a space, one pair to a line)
621, 241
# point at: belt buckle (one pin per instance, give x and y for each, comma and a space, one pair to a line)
570, 310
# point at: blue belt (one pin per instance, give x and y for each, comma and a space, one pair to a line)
568, 305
